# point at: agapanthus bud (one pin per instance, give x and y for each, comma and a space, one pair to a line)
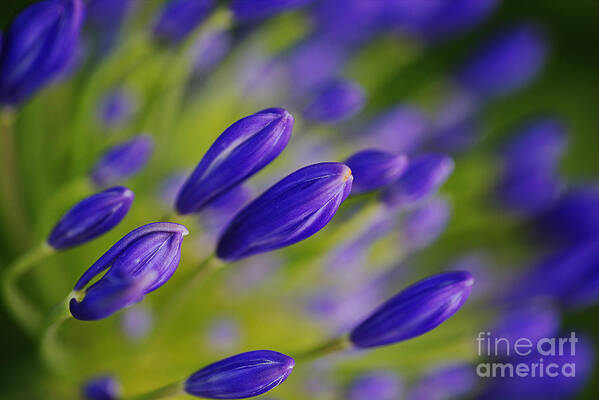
241, 376
401, 129
36, 47
423, 177
179, 18
457, 124
210, 49
245, 11
104, 387
415, 310
453, 381
91, 217
116, 108
380, 385
139, 263
122, 161
423, 225
104, 19
373, 169
293, 209
240, 151
335, 102
507, 63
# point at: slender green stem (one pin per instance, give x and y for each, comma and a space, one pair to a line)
190, 285
161, 393
26, 314
51, 350
11, 191
326, 348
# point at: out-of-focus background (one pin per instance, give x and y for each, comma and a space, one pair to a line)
291, 299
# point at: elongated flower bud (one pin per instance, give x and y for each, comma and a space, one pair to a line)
373, 169
139, 263
91, 217
415, 310
104, 387
122, 161
241, 376
380, 385
423, 225
37, 47
508, 63
179, 18
116, 108
240, 151
424, 176
335, 102
293, 209
245, 11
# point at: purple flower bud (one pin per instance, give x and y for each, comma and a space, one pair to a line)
139, 263
116, 108
574, 218
91, 217
415, 310
506, 64
373, 169
179, 18
379, 385
245, 11
424, 176
425, 224
104, 387
401, 129
335, 102
137, 322
292, 210
122, 161
36, 47
454, 381
244, 375
457, 125
105, 18
210, 49
223, 334
240, 151
349, 21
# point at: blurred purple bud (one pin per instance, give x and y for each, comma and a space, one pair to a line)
423, 225
456, 127
507, 63
246, 11
241, 376
91, 217
137, 322
292, 210
179, 18
452, 381
424, 176
105, 18
569, 371
401, 129
122, 161
380, 385
104, 387
349, 21
530, 321
223, 334
36, 47
139, 263
335, 102
210, 49
415, 310
171, 186
239, 152
374, 169
116, 108
574, 217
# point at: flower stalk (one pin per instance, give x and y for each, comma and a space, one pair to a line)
51, 350
328, 347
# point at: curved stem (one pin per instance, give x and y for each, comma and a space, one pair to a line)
11, 195
26, 314
161, 393
51, 350
326, 348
